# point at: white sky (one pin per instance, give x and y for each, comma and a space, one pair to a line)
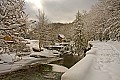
58, 10
37, 3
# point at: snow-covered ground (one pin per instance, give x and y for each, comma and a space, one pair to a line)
7, 67
102, 62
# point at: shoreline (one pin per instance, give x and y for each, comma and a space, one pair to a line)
35, 72
27, 63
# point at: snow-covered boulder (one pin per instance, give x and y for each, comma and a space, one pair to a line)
58, 68
7, 58
33, 44
1, 62
45, 53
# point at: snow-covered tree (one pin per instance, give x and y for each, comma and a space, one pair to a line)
79, 38
42, 29
103, 20
12, 21
12, 15
112, 24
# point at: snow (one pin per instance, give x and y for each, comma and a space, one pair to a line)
61, 35
33, 44
102, 62
1, 49
6, 58
9, 58
6, 67
58, 68
26, 60
1, 62
46, 53
1, 16
9, 62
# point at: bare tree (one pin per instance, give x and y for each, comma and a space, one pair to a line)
42, 29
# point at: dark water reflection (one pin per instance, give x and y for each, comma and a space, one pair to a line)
70, 60
67, 61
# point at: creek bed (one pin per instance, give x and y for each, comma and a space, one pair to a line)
40, 71
36, 72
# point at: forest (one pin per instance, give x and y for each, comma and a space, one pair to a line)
101, 23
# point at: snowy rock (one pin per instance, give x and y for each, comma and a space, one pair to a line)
1, 62
44, 54
92, 51
33, 44
36, 49
1, 49
6, 58
58, 68
56, 53
9, 58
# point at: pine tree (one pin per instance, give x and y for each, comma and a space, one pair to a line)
79, 39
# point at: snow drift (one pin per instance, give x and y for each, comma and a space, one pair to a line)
102, 62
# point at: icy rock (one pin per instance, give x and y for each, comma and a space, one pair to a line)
6, 58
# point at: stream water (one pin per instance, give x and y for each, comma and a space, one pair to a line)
41, 71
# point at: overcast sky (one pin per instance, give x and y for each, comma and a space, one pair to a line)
58, 10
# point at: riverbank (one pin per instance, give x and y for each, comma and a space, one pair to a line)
35, 65
34, 72
41, 69
29, 61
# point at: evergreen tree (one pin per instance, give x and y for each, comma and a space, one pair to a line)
79, 39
